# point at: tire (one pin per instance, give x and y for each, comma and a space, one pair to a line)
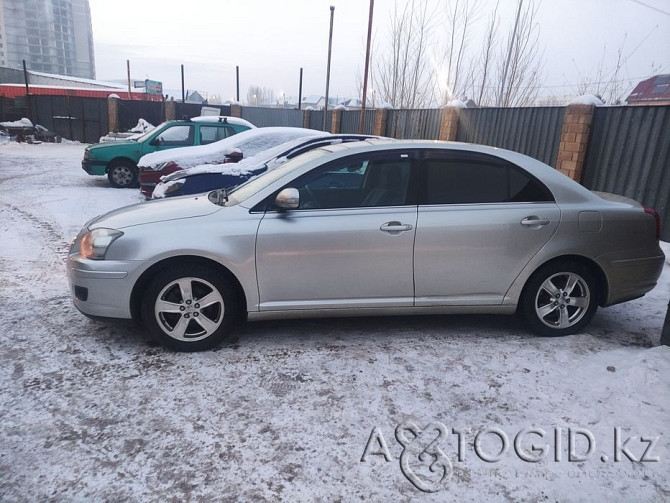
559, 299
123, 175
172, 312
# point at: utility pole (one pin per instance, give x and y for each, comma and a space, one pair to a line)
28, 104
330, 47
361, 125
237, 80
183, 95
300, 92
509, 55
130, 96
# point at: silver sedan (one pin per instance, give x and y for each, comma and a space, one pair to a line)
376, 227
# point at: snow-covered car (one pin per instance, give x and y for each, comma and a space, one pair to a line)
411, 227
246, 144
118, 159
208, 177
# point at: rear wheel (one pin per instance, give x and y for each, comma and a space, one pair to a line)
190, 308
123, 174
560, 298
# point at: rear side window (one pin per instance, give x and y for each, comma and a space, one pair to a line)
210, 134
471, 181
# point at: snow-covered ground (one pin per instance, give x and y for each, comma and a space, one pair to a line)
93, 411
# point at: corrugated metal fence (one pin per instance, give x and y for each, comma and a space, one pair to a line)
535, 132
351, 121
273, 116
82, 119
414, 124
629, 154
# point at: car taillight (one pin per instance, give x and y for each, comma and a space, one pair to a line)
657, 217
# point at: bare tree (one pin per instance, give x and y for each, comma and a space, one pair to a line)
460, 16
482, 89
257, 95
520, 64
605, 82
403, 75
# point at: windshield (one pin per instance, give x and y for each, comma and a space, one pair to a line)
146, 135
246, 190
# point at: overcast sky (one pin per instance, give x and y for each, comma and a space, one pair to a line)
270, 40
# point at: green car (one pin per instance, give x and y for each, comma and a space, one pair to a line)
118, 160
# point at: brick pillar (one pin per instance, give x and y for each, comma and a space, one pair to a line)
113, 114
379, 127
449, 124
236, 110
170, 110
305, 119
574, 140
335, 121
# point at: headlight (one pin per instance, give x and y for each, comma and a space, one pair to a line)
87, 154
94, 243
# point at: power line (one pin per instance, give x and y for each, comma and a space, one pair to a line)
651, 7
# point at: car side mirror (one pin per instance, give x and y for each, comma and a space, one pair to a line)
288, 199
155, 142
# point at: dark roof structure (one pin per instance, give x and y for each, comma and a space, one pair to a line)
651, 91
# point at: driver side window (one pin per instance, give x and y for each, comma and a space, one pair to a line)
176, 136
359, 184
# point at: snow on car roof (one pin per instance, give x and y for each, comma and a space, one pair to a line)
250, 142
223, 118
271, 157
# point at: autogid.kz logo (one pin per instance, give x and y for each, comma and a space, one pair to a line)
425, 464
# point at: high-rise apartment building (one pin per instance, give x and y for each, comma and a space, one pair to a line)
53, 36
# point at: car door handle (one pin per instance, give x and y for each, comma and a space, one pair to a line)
395, 227
531, 221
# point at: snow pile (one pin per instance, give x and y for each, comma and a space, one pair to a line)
19, 123
587, 99
142, 127
250, 142
138, 130
456, 104
340, 107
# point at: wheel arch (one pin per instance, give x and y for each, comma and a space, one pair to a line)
119, 160
592, 265
142, 283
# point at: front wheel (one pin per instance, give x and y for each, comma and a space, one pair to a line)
122, 175
560, 298
190, 308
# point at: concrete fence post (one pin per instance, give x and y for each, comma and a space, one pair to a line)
574, 140
449, 124
113, 114
379, 127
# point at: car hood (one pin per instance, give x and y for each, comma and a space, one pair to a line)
155, 211
118, 143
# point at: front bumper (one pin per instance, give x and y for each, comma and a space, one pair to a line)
102, 287
94, 167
